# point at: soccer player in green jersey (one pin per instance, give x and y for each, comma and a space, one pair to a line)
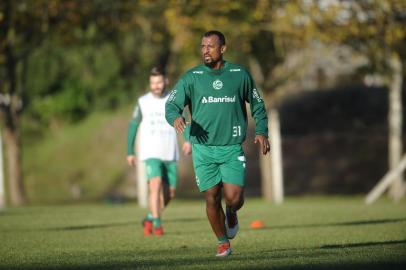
216, 93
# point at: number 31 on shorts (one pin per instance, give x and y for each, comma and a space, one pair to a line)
236, 131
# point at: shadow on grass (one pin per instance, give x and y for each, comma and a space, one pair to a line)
192, 258
338, 247
90, 226
231, 263
350, 223
174, 265
367, 244
5, 213
116, 224
184, 220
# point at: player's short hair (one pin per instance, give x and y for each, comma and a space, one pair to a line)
218, 34
157, 71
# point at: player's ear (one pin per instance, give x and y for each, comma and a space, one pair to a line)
223, 49
166, 80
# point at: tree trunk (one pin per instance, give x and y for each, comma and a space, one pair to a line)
395, 125
13, 148
271, 164
142, 183
2, 188
276, 157
10, 117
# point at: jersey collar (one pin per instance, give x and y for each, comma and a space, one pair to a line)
216, 71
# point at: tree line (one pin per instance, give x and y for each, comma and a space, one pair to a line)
60, 60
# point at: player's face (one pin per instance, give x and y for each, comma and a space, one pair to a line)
157, 84
211, 50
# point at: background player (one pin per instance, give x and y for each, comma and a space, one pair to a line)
158, 149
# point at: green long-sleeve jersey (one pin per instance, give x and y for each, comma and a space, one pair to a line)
217, 102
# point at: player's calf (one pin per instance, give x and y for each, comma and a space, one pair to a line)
231, 223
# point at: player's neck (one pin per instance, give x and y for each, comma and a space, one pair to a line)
161, 95
217, 65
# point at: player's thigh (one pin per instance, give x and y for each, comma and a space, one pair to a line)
155, 184
207, 171
153, 168
170, 173
233, 167
233, 194
207, 176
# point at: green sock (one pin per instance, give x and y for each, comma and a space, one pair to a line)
222, 239
149, 217
156, 222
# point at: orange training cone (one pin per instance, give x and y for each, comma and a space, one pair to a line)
257, 224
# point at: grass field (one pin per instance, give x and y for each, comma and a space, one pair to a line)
303, 233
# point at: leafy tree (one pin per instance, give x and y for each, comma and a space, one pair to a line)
58, 61
23, 24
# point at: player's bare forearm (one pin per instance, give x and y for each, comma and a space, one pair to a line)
263, 142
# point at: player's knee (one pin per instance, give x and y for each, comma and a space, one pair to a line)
213, 201
154, 190
235, 200
155, 183
213, 197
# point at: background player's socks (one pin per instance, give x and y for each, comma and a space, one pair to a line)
149, 217
222, 239
156, 222
147, 224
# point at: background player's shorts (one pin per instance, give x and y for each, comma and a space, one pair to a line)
215, 164
164, 169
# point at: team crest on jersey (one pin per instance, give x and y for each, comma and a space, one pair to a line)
217, 84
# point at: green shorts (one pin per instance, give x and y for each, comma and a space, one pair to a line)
215, 164
164, 169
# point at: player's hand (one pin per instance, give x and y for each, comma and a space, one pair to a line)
263, 142
131, 160
179, 124
187, 148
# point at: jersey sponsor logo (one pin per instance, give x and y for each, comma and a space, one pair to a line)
217, 84
235, 69
256, 95
224, 99
198, 72
172, 96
